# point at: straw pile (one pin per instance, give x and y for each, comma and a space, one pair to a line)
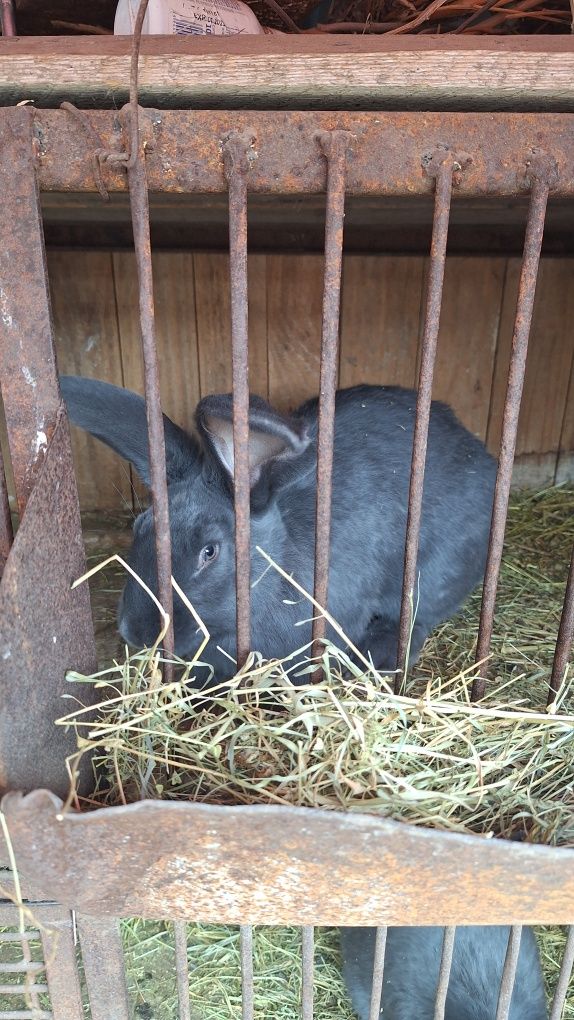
501, 768
504, 767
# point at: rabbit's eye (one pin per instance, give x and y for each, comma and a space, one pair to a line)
208, 554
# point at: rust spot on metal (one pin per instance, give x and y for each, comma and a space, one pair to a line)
440, 166
27, 364
542, 174
334, 145
386, 154
261, 864
45, 629
7, 18
238, 158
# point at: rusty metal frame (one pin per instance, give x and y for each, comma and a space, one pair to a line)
394, 870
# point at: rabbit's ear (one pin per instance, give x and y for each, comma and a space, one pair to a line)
118, 418
273, 438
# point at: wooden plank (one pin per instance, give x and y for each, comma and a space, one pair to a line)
174, 297
548, 371
309, 71
295, 297
87, 343
565, 466
272, 864
380, 320
214, 323
469, 324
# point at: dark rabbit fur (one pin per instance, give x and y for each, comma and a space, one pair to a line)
410, 975
372, 454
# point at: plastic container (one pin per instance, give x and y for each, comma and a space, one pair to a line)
189, 17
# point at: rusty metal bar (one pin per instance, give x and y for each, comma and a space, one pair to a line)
441, 166
237, 158
103, 959
246, 951
561, 990
59, 951
565, 635
139, 202
27, 365
181, 970
509, 972
6, 533
7, 18
378, 972
542, 174
444, 972
290, 162
334, 145
307, 971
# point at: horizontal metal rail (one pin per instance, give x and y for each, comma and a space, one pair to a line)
289, 161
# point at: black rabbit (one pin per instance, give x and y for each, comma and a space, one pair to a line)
372, 454
411, 968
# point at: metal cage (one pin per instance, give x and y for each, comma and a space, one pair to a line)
77, 874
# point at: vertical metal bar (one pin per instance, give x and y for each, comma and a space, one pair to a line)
8, 17
27, 364
182, 973
443, 192
61, 963
6, 533
565, 635
246, 950
561, 990
444, 972
139, 202
509, 972
103, 959
378, 972
307, 971
236, 158
334, 145
542, 177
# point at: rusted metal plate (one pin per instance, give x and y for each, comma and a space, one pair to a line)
58, 944
385, 158
45, 628
6, 535
281, 865
28, 377
103, 959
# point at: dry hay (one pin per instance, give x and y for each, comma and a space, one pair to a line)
503, 768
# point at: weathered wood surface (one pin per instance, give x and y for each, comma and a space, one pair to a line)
97, 333
535, 72
281, 865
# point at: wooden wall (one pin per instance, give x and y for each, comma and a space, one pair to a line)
95, 312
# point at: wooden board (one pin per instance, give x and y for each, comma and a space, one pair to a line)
305, 71
380, 320
469, 323
565, 466
87, 343
95, 305
294, 312
213, 310
548, 370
